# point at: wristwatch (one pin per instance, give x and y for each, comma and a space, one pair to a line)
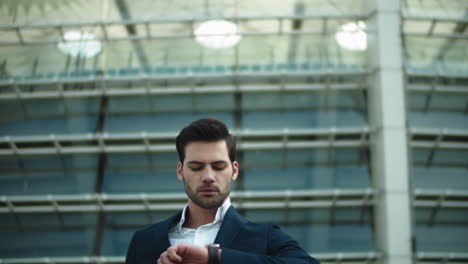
213, 253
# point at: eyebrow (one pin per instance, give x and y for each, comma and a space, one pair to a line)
194, 162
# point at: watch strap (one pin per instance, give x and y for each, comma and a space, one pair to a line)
213, 254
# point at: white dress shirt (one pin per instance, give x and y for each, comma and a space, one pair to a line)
205, 234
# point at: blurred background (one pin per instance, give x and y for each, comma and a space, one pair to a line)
351, 119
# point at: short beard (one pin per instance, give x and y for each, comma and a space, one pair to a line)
212, 204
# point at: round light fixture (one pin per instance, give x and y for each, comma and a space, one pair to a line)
217, 34
352, 36
78, 43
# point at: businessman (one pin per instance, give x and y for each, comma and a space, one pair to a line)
209, 230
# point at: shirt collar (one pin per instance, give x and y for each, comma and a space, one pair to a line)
220, 213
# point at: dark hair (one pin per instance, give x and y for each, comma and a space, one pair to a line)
205, 129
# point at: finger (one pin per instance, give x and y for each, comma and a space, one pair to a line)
165, 259
172, 254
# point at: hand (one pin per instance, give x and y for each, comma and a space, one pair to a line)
184, 253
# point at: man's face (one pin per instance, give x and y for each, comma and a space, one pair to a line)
207, 173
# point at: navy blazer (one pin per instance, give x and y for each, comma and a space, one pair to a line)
241, 241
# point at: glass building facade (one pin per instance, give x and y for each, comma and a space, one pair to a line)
351, 119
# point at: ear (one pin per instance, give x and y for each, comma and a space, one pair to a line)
235, 170
179, 171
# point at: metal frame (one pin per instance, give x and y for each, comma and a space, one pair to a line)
289, 139
102, 202
434, 21
340, 257
437, 88
235, 74
105, 143
442, 138
230, 88
442, 257
146, 34
289, 199
437, 199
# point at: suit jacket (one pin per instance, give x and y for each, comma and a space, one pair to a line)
241, 242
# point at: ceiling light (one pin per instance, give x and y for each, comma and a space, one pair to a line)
78, 43
352, 36
217, 34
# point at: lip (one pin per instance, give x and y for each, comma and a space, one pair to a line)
208, 191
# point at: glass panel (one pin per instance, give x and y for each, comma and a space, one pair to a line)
171, 103
453, 9
443, 102
306, 178
351, 229
305, 169
121, 226
438, 120
47, 175
303, 119
146, 173
436, 55
440, 177
159, 122
48, 235
443, 230
51, 116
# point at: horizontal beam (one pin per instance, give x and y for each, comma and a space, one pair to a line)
436, 88
438, 145
445, 19
440, 195
444, 138
432, 74
190, 77
292, 199
433, 21
440, 204
447, 198
126, 22
442, 257
446, 132
179, 206
65, 260
158, 197
249, 140
100, 26
93, 203
338, 257
329, 257
219, 89
171, 148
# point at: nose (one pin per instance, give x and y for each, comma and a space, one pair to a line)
208, 175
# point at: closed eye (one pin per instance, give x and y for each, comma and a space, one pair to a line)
219, 167
196, 168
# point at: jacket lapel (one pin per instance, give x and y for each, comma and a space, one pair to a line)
230, 227
162, 237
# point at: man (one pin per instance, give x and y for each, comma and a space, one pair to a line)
209, 230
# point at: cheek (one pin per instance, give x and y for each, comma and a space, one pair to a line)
190, 177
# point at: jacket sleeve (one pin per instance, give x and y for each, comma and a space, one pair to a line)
131, 252
281, 249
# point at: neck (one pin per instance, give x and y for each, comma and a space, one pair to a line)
198, 216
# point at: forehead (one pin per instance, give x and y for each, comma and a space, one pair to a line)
206, 151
